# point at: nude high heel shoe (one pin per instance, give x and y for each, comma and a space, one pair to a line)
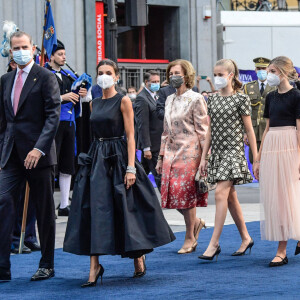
200, 226
188, 250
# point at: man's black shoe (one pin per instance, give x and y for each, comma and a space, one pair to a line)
33, 246
64, 212
5, 275
42, 274
25, 250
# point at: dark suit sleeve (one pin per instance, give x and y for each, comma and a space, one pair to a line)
2, 118
142, 119
51, 97
195, 89
160, 104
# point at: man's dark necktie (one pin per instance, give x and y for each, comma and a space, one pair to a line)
262, 88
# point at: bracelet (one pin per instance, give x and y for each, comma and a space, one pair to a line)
207, 157
131, 170
160, 157
257, 161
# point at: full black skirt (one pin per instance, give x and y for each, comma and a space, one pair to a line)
105, 218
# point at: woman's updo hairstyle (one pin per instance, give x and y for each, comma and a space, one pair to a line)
108, 62
286, 67
231, 67
188, 71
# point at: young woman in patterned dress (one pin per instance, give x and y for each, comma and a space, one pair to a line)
229, 115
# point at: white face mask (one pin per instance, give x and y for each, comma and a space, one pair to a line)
273, 79
105, 81
132, 96
220, 82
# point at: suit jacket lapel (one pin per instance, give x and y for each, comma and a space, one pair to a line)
150, 98
28, 85
9, 87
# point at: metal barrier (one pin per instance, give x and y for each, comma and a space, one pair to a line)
132, 74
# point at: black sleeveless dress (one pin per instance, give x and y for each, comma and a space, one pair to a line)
105, 218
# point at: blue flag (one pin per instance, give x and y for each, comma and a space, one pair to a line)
50, 40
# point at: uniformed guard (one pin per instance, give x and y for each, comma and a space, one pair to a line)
65, 137
257, 90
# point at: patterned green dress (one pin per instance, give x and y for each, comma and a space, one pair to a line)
227, 161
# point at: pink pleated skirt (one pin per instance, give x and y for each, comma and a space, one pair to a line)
280, 185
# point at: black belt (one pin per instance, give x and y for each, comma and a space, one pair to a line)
111, 138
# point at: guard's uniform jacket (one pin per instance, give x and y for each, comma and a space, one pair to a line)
258, 106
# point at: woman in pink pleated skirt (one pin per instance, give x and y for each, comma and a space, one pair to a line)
278, 161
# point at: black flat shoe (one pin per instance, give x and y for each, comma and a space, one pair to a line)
64, 212
283, 261
141, 274
297, 251
42, 274
216, 254
33, 246
93, 283
240, 253
5, 275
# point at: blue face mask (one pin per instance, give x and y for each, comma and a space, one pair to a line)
262, 75
22, 57
154, 87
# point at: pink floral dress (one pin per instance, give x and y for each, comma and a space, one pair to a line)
185, 125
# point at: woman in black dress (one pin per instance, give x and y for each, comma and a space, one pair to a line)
114, 208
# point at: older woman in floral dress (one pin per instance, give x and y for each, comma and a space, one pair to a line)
185, 127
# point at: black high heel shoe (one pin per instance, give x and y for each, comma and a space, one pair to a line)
216, 254
297, 251
284, 261
93, 283
141, 274
240, 253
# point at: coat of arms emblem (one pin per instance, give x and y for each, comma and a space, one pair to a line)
49, 33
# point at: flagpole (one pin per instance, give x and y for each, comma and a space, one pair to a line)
43, 49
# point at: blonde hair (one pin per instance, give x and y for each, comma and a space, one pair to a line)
231, 67
285, 66
188, 71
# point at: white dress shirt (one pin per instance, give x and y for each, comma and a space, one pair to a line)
264, 82
25, 73
151, 93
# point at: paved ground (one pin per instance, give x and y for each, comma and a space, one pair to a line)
248, 195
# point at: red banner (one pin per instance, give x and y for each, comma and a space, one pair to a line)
100, 31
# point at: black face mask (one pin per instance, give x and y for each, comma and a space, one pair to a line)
176, 81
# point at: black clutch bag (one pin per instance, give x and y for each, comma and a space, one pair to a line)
202, 185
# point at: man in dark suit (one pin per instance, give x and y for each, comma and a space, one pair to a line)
30, 241
149, 127
163, 94
29, 118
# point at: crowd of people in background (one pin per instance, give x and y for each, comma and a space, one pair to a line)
183, 133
